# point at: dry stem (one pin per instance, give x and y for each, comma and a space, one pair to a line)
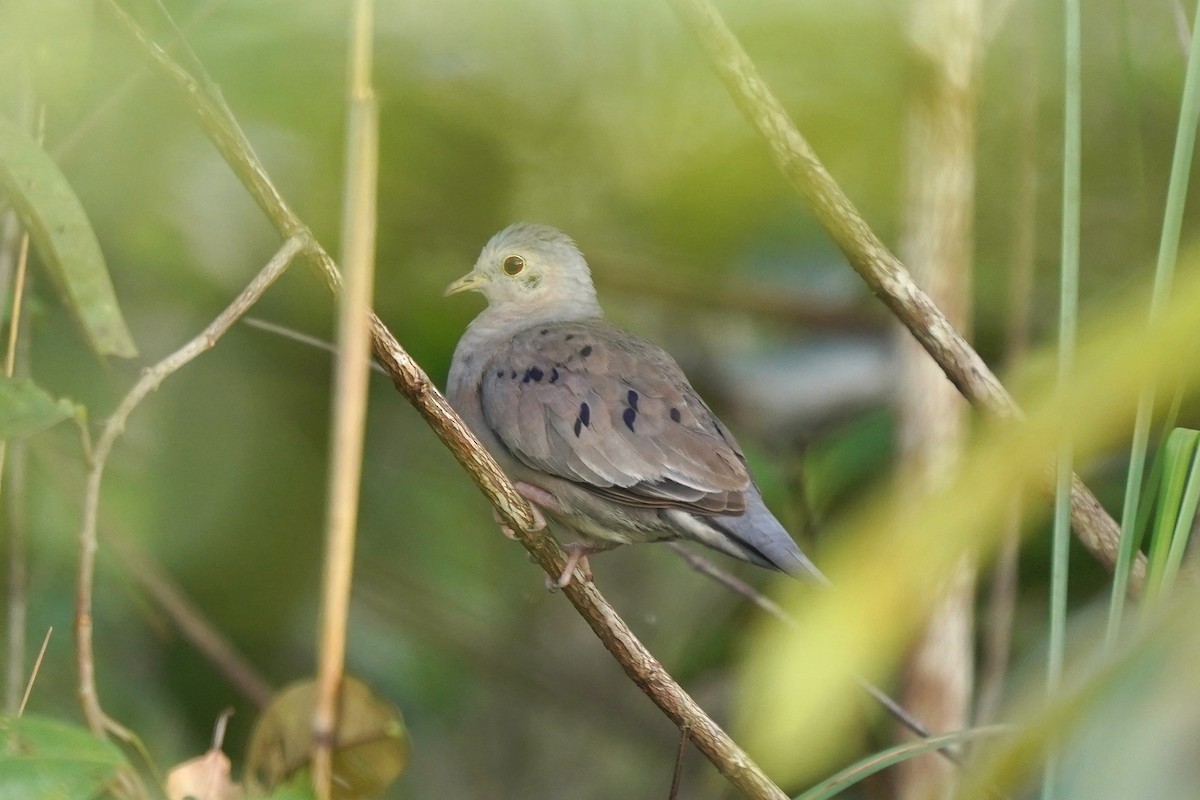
147, 572
33, 673
730, 581
17, 578
96, 719
15, 238
350, 390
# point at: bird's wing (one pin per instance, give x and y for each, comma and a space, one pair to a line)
593, 404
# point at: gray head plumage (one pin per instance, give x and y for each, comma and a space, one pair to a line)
532, 269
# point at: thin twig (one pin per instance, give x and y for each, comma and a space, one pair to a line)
677, 775
37, 667
14, 323
302, 338
874, 263
351, 377
222, 129
150, 379
115, 100
16, 238
707, 568
788, 307
148, 572
218, 740
16, 555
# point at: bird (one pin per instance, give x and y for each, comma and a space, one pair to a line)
598, 428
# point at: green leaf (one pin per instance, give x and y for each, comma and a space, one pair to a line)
26, 408
64, 239
45, 758
299, 788
836, 784
1178, 496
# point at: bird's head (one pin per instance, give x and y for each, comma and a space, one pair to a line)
534, 269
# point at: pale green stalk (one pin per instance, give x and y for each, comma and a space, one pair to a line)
1067, 327
1164, 271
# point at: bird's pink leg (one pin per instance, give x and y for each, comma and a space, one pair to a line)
538, 497
577, 554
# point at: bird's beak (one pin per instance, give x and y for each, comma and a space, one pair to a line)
472, 280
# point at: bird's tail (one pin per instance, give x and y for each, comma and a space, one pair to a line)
754, 536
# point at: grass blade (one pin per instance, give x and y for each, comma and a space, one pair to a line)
866, 767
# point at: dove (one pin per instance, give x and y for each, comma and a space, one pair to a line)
598, 428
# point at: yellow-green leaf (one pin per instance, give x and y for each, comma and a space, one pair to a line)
370, 744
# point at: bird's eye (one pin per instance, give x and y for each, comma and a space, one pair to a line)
513, 265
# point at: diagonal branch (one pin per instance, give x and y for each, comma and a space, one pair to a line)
874, 263
146, 571
645, 671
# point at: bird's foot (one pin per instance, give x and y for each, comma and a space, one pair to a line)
537, 496
539, 522
577, 556
507, 531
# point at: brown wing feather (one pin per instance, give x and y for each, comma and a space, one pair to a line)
593, 404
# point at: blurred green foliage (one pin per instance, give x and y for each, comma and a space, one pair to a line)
601, 118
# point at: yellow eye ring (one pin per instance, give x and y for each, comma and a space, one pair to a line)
513, 265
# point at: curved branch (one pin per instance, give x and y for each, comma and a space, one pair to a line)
99, 722
875, 264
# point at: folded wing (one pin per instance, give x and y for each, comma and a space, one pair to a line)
590, 403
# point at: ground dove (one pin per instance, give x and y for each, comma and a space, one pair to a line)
599, 429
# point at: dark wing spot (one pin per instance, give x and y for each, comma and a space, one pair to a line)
570, 336
513, 375
632, 397
553, 375
543, 331
499, 373
675, 417
629, 416
585, 414
578, 426
586, 351
532, 374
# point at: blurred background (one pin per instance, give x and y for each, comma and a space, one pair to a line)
601, 118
